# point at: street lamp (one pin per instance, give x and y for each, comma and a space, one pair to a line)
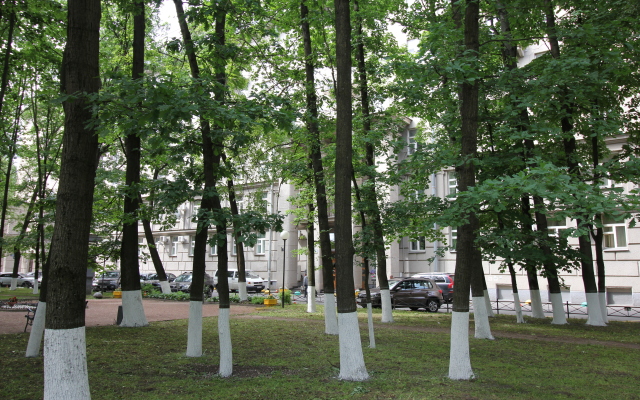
284, 236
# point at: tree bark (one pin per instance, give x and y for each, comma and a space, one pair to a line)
459, 362
569, 144
64, 327
133, 311
352, 365
311, 121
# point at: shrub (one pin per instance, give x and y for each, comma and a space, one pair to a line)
257, 300
287, 296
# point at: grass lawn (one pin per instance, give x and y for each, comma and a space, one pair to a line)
285, 354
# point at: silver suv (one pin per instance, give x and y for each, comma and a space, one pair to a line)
183, 284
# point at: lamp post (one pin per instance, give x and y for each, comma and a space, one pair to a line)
284, 236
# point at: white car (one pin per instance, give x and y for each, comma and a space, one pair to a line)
254, 282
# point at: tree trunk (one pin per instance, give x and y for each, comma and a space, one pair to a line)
13, 143
311, 121
459, 361
65, 367
242, 279
311, 262
153, 250
132, 309
352, 365
369, 191
569, 143
7, 56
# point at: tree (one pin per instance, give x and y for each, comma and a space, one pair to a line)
65, 369
132, 309
352, 365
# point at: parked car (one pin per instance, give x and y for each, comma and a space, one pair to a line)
183, 283
108, 280
254, 282
444, 281
31, 276
5, 280
413, 293
152, 279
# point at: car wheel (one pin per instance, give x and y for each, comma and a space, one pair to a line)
432, 305
26, 285
208, 291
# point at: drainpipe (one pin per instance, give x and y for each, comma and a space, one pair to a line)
434, 192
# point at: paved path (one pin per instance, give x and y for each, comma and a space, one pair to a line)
105, 311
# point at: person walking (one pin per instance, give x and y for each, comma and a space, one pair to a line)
305, 282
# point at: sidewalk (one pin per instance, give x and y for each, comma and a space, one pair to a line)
105, 311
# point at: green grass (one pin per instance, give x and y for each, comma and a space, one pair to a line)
27, 294
286, 355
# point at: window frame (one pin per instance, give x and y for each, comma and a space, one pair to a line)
174, 246
261, 245
412, 144
614, 230
418, 245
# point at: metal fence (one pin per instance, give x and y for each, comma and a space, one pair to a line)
569, 308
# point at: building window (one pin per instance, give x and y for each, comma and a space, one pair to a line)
140, 245
453, 239
192, 244
234, 248
265, 201
418, 244
174, 245
555, 226
194, 212
615, 232
213, 249
452, 184
239, 203
619, 296
412, 145
261, 244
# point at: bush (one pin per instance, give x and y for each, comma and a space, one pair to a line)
180, 296
149, 288
287, 296
257, 300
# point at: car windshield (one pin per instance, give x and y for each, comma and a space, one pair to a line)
110, 274
184, 278
252, 276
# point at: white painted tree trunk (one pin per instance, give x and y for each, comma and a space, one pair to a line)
36, 287
385, 301
330, 318
518, 308
352, 366
194, 332
459, 359
594, 311
224, 336
65, 364
536, 304
558, 311
372, 338
242, 290
14, 284
311, 299
37, 330
487, 301
166, 288
481, 319
132, 309
602, 296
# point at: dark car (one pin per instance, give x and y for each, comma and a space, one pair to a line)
183, 283
444, 282
413, 293
152, 279
108, 280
